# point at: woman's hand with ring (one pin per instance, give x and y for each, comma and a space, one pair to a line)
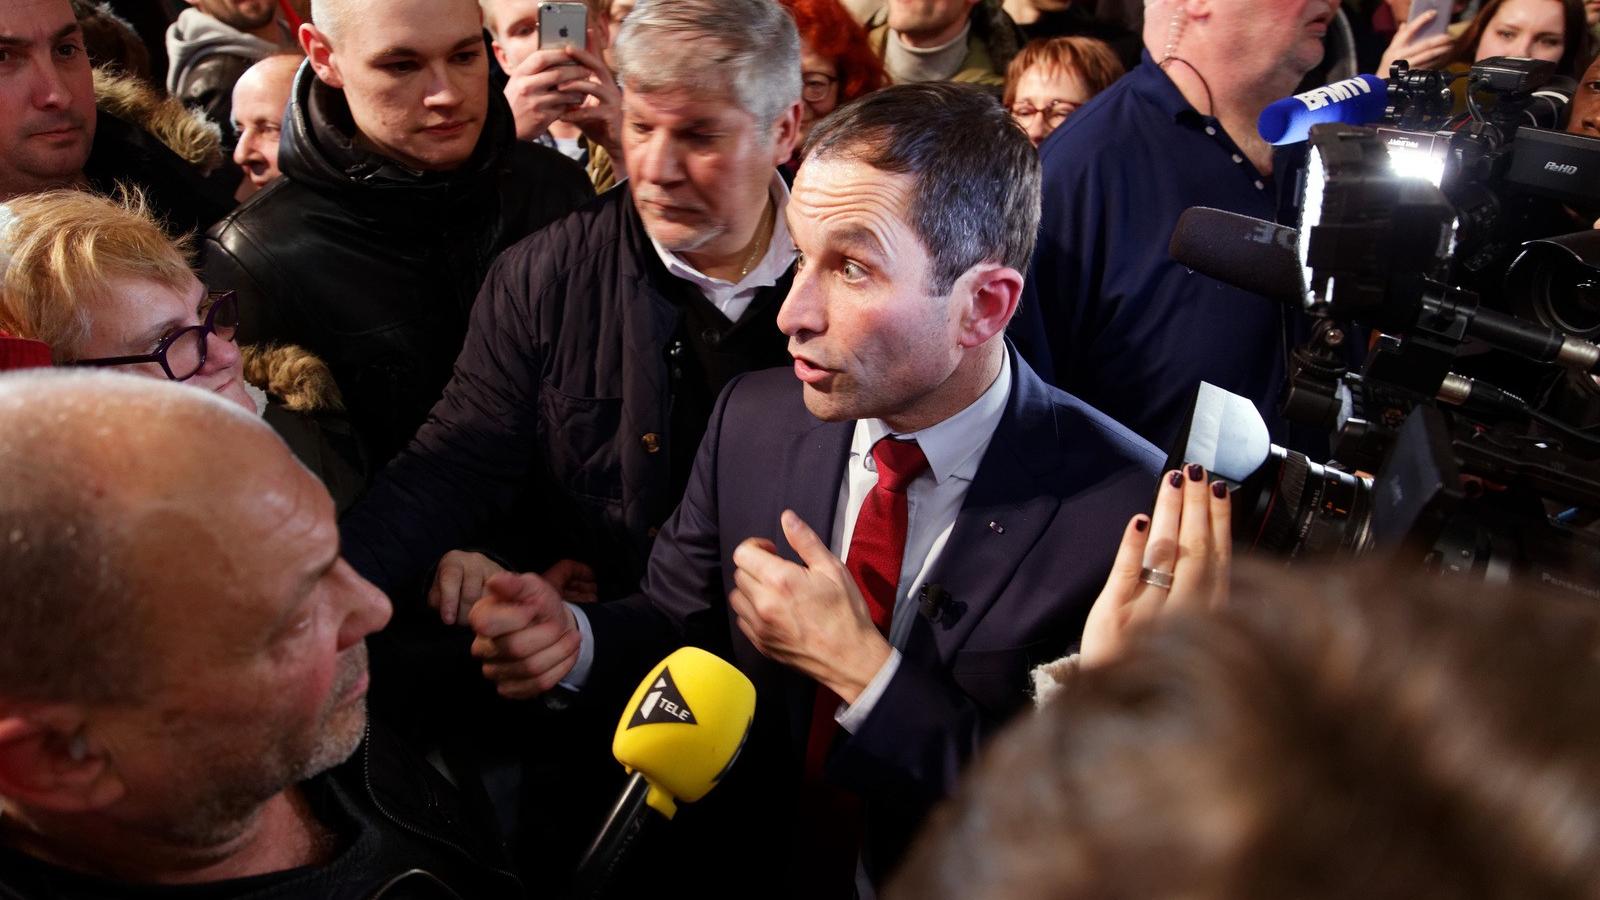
1186, 542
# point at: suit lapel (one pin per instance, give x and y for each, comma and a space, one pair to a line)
1013, 498
813, 468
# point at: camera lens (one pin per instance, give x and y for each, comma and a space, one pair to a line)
1296, 507
1573, 300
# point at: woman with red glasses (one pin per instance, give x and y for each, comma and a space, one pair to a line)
99, 283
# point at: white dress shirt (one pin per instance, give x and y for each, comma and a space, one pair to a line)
733, 299
954, 448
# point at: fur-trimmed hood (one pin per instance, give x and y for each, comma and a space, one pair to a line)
184, 131
292, 376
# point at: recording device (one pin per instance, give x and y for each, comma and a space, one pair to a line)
1466, 436
679, 735
563, 24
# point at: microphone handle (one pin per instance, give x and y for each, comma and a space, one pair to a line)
610, 850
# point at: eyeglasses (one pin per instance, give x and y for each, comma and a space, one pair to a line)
183, 353
815, 86
1054, 114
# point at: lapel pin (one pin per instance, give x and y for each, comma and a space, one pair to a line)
997, 528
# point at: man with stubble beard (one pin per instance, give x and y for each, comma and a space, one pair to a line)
183, 670
212, 44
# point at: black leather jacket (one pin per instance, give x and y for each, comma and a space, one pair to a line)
405, 834
373, 267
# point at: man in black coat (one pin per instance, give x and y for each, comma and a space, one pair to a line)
51, 135
598, 347
403, 180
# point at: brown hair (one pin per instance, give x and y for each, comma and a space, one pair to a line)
1090, 59
1342, 733
61, 251
1575, 35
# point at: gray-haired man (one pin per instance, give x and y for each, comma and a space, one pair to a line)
598, 346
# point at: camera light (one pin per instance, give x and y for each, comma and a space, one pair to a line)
1416, 154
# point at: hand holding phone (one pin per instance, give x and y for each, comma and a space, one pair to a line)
1422, 41
1434, 26
564, 24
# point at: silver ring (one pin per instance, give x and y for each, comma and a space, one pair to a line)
1155, 577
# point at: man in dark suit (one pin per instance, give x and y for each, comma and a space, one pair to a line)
972, 504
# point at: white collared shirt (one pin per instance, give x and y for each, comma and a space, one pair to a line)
733, 299
954, 448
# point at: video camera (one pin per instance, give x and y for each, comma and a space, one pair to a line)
1468, 438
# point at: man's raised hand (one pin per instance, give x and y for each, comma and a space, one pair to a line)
810, 617
527, 638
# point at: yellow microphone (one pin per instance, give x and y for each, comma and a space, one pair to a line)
678, 736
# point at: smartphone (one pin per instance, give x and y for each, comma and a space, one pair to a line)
567, 23
1418, 7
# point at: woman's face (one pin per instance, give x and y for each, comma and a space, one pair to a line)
140, 313
1044, 98
819, 77
1529, 28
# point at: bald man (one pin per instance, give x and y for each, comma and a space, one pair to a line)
403, 179
260, 97
182, 666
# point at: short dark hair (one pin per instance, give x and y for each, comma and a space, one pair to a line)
1331, 733
976, 197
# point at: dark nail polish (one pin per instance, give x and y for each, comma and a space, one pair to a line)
1140, 524
1176, 480
1196, 472
1219, 490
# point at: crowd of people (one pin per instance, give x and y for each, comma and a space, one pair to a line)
837, 337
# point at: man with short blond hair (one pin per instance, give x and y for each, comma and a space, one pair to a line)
402, 181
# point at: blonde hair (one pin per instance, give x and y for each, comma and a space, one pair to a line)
60, 251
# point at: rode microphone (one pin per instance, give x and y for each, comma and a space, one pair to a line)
679, 735
1355, 101
1246, 252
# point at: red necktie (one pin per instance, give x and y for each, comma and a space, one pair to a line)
877, 550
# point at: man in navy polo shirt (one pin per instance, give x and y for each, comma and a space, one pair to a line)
1107, 314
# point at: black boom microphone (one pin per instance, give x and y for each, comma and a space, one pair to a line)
1261, 257
1246, 252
